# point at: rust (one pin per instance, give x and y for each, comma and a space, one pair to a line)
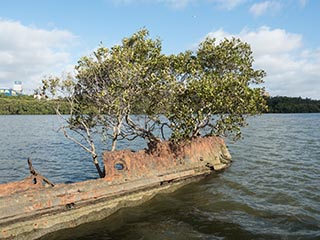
34, 206
33, 172
163, 159
34, 181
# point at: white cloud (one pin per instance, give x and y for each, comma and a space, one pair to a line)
271, 41
228, 4
28, 53
261, 8
303, 2
291, 69
219, 35
178, 4
222, 4
257, 9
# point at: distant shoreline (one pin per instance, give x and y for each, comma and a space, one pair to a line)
282, 104
27, 105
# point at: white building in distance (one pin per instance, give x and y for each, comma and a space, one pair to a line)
17, 86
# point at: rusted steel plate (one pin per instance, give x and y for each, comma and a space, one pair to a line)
33, 208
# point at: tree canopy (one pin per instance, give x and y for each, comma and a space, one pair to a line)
209, 91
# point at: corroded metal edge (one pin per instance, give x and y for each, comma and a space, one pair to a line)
36, 227
35, 212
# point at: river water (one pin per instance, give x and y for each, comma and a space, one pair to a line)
271, 191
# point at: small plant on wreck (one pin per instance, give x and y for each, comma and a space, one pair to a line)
134, 90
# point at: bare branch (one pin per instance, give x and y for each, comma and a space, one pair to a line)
76, 141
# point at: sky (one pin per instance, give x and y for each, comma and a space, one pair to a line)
41, 38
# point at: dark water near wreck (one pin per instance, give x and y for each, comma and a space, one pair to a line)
271, 191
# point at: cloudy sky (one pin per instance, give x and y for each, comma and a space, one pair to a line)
39, 38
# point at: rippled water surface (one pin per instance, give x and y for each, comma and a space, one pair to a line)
271, 191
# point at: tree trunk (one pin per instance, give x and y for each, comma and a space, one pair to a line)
116, 132
96, 163
114, 143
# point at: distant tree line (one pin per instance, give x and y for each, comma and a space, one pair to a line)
281, 104
27, 105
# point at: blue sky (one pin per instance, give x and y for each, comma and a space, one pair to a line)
47, 37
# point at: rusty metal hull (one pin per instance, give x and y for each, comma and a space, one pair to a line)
29, 209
